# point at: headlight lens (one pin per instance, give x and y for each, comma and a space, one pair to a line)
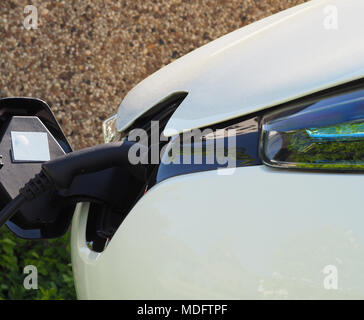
326, 134
109, 130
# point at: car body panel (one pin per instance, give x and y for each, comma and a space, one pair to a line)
275, 60
260, 233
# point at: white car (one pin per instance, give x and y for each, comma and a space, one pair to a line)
279, 215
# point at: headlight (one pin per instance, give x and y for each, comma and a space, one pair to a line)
326, 134
109, 130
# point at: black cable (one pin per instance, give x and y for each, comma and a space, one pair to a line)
11, 208
35, 187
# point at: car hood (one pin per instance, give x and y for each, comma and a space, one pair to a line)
291, 54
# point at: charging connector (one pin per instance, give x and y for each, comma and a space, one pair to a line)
60, 172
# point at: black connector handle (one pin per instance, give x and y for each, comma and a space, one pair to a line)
59, 173
62, 170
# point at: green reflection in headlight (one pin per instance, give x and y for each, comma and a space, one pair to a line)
343, 131
343, 152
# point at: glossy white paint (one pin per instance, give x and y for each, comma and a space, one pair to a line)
259, 233
277, 59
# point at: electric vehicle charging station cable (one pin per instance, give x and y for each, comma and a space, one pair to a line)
60, 172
